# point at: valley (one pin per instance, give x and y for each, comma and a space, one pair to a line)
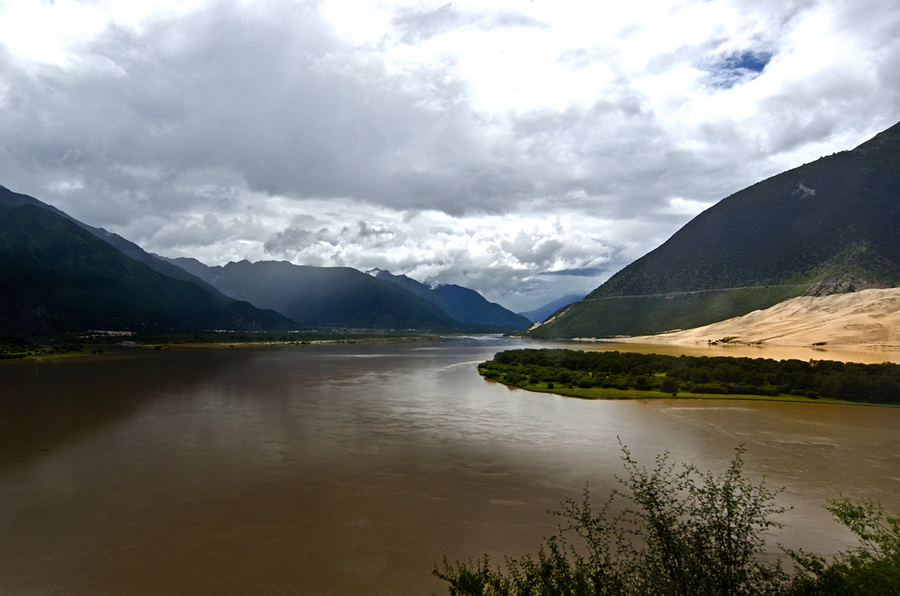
424, 297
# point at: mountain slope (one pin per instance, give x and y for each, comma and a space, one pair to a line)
539, 314
471, 307
463, 304
14, 199
870, 319
55, 276
326, 296
829, 226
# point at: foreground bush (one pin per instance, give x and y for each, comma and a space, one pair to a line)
872, 569
686, 534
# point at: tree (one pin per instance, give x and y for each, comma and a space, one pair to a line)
669, 385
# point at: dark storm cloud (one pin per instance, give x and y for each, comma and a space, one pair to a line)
288, 242
276, 100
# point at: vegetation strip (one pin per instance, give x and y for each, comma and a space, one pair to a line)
94, 343
615, 374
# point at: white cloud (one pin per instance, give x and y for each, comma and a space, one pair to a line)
682, 206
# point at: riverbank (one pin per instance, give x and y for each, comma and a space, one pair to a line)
105, 344
595, 393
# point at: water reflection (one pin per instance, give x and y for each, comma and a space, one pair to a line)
350, 469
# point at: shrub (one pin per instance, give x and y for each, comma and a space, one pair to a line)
690, 534
669, 385
872, 569
713, 388
641, 383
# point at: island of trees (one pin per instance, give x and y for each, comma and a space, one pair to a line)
626, 374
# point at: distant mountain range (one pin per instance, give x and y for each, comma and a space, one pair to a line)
827, 227
341, 296
463, 304
322, 296
58, 274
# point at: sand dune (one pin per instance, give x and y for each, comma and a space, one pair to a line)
870, 318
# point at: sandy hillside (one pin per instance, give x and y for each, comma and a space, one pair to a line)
859, 319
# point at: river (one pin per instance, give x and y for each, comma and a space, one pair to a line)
351, 469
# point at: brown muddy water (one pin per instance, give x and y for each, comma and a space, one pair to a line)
351, 469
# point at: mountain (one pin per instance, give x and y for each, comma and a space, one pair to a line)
541, 313
463, 304
56, 276
826, 227
10, 198
323, 296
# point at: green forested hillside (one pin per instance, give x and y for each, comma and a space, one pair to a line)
832, 225
56, 276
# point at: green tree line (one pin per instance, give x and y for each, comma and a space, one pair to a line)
552, 368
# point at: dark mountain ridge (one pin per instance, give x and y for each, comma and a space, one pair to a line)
14, 199
463, 304
56, 276
829, 226
323, 296
60, 280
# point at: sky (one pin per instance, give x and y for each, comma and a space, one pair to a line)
527, 149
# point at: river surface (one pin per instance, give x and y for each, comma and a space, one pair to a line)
351, 469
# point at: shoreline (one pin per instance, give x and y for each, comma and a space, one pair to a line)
101, 350
609, 394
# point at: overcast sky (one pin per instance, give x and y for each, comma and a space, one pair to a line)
525, 148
